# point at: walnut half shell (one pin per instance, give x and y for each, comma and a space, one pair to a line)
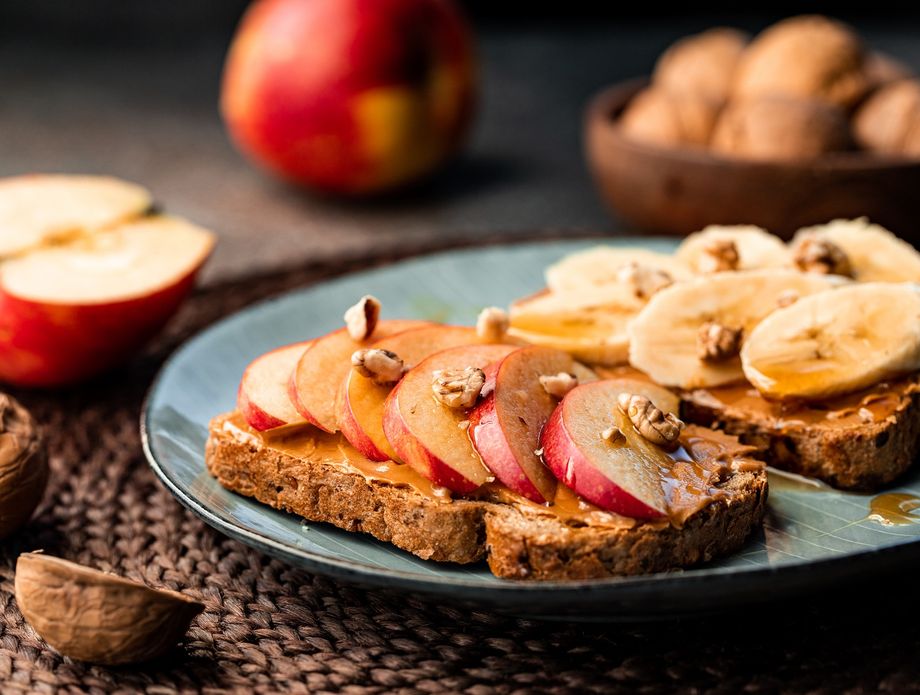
23, 466
97, 617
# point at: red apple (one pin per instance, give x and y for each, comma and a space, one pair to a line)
428, 435
39, 208
71, 311
318, 374
349, 96
263, 397
624, 477
505, 426
359, 407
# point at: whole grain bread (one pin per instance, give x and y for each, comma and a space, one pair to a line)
518, 539
861, 456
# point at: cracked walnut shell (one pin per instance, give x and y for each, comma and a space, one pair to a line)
23, 466
97, 617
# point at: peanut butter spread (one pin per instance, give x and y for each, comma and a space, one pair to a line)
691, 475
873, 405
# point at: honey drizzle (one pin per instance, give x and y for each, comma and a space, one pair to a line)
894, 509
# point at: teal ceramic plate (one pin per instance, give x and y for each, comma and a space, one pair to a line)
812, 536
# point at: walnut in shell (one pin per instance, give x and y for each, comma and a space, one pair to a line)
780, 129
702, 64
23, 466
886, 121
97, 617
658, 117
807, 57
882, 69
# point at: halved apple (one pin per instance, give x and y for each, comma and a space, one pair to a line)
359, 407
318, 374
429, 436
628, 476
505, 426
68, 312
263, 397
41, 208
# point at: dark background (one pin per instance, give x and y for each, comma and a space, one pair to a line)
130, 88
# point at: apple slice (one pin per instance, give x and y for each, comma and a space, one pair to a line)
505, 426
41, 208
359, 407
263, 396
628, 477
68, 312
318, 374
428, 435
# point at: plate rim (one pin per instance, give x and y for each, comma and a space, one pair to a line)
858, 563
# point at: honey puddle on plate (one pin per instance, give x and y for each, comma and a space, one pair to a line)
895, 509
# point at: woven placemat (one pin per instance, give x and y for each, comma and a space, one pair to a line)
271, 628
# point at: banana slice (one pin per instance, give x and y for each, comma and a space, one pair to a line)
756, 248
874, 253
601, 265
666, 338
590, 324
836, 342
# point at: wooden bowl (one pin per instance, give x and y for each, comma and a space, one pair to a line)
680, 190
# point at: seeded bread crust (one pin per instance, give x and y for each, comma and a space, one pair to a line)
865, 457
517, 541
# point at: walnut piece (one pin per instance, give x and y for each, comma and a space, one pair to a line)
23, 466
715, 342
383, 366
613, 434
718, 255
458, 388
557, 385
492, 324
650, 421
815, 254
644, 280
361, 319
787, 298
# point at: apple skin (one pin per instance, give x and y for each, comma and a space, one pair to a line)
488, 437
567, 462
254, 388
255, 416
350, 97
418, 456
48, 345
352, 431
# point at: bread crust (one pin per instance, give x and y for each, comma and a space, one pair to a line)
520, 541
863, 457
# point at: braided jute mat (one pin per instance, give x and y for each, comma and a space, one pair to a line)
270, 628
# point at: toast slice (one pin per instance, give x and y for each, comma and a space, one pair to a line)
861, 441
321, 478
